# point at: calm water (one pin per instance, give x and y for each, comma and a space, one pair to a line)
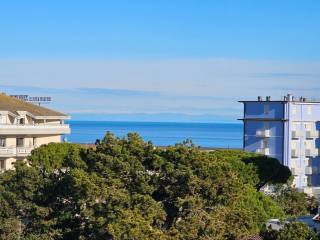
161, 134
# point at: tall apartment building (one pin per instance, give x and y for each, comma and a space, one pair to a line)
25, 126
288, 130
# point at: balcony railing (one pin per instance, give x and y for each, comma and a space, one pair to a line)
312, 134
15, 151
263, 133
294, 153
24, 151
7, 151
34, 129
296, 134
312, 152
263, 151
294, 171
308, 170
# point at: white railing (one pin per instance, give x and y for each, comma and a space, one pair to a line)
24, 151
294, 153
14, 129
312, 134
15, 151
312, 152
34, 126
296, 134
5, 151
263, 151
308, 170
294, 171
263, 133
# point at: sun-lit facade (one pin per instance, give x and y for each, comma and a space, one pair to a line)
288, 130
25, 126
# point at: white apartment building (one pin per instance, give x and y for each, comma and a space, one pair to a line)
25, 126
288, 130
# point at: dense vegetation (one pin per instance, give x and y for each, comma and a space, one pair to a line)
128, 189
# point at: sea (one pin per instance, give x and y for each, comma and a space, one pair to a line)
206, 135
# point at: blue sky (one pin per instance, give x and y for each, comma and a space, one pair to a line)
174, 59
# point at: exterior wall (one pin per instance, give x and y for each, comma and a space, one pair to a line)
262, 116
270, 110
304, 118
274, 142
28, 142
9, 163
31, 131
48, 139
35, 132
293, 137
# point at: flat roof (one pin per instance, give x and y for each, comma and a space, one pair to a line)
263, 119
280, 101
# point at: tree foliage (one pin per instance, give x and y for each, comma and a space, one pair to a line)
300, 203
128, 189
290, 231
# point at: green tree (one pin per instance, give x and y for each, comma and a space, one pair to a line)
290, 231
300, 203
126, 188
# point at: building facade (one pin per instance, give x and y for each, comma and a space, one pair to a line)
287, 130
25, 126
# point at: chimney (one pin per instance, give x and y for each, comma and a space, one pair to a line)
290, 98
268, 98
259, 98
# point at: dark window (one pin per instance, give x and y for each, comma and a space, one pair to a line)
20, 142
2, 165
21, 121
2, 142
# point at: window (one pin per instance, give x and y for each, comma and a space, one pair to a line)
266, 108
309, 110
309, 181
2, 119
20, 142
2, 142
21, 121
265, 143
34, 141
2, 164
307, 162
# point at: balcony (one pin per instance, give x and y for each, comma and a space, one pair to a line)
312, 134
296, 134
308, 170
15, 151
8, 129
294, 172
23, 151
294, 153
312, 152
263, 133
263, 151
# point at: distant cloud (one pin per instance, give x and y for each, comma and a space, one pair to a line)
283, 75
208, 87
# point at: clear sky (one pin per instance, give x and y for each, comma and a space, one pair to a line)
176, 59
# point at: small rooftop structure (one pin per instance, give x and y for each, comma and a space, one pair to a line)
287, 98
14, 105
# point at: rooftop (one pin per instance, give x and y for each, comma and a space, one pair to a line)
288, 98
13, 105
